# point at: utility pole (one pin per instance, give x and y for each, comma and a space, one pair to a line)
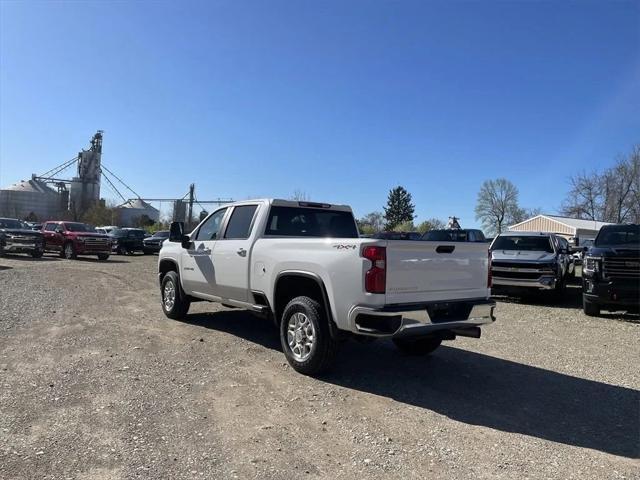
192, 188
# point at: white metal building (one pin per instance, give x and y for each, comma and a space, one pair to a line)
573, 229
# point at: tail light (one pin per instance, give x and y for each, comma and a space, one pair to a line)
375, 279
489, 278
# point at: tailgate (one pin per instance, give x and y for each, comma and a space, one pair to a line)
436, 271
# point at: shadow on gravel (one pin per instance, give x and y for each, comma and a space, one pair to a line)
2, 267
95, 260
241, 324
482, 390
571, 298
473, 388
29, 258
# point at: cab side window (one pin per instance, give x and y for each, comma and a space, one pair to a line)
210, 229
240, 222
50, 227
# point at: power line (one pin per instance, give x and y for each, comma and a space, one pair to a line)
120, 180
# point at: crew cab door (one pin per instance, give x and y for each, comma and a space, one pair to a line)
231, 254
52, 239
198, 273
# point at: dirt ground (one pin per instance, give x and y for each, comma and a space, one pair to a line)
95, 383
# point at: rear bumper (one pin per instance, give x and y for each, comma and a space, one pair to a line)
546, 282
416, 320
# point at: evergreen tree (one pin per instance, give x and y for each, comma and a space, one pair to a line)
399, 208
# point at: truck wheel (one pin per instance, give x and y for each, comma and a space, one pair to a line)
417, 346
103, 256
305, 337
590, 308
561, 286
69, 251
37, 253
175, 304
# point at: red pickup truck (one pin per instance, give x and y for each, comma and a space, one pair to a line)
71, 239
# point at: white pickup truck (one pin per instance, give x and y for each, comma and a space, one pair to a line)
304, 265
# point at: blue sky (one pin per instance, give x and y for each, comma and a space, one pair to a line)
342, 100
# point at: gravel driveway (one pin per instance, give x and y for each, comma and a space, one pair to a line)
97, 384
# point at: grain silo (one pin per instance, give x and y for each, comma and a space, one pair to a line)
31, 198
133, 211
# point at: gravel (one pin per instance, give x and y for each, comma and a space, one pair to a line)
95, 383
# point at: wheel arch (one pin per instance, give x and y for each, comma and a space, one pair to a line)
293, 283
168, 265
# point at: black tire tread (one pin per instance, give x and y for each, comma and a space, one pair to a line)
591, 309
182, 303
327, 347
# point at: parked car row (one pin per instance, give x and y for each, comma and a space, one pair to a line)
544, 261
73, 239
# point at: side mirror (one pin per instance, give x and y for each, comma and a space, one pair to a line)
176, 232
59, 230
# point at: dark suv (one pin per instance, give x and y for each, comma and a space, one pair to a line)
455, 235
611, 270
153, 244
16, 237
127, 240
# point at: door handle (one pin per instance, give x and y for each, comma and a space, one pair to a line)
242, 252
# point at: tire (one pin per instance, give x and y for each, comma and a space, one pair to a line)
69, 251
561, 286
303, 318
103, 256
591, 309
37, 254
417, 346
177, 309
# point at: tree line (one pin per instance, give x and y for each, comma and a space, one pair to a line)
608, 195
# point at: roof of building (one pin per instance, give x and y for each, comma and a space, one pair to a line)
33, 186
576, 223
137, 203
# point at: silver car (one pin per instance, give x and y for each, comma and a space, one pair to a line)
531, 260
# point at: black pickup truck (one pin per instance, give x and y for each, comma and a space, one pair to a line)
611, 270
15, 237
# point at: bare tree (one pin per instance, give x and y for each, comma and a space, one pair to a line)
430, 224
371, 223
497, 205
585, 199
612, 195
300, 196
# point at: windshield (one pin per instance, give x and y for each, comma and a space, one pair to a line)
311, 222
78, 227
619, 235
527, 243
162, 234
10, 223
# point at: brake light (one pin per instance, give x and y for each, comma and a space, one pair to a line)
489, 277
375, 279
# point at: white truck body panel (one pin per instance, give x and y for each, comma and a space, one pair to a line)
416, 272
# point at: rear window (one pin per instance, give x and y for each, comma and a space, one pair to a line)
526, 243
310, 222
